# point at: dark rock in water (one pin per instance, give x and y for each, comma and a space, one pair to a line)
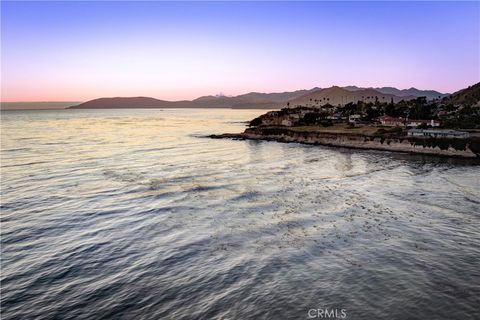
235, 136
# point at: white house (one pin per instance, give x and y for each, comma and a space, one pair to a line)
391, 121
417, 122
354, 118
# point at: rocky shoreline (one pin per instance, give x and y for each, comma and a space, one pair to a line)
355, 141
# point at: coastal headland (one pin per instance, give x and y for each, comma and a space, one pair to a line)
448, 126
452, 147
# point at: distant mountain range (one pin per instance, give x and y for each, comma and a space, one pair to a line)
257, 100
341, 96
430, 94
253, 100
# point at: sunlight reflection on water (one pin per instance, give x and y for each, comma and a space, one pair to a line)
132, 213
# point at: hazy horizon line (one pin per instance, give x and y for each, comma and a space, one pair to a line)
221, 94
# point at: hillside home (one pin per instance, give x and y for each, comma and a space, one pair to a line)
337, 118
417, 122
389, 121
354, 118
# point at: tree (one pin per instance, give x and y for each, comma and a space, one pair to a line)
314, 117
371, 113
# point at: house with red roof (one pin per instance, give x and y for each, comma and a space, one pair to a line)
389, 121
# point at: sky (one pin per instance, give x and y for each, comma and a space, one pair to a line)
77, 51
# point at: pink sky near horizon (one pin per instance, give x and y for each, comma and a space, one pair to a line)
59, 51
73, 94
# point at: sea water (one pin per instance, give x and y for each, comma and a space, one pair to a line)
135, 214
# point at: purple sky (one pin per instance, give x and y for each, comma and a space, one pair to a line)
53, 51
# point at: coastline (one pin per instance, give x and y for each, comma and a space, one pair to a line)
349, 140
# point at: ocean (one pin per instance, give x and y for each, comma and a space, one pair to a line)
135, 214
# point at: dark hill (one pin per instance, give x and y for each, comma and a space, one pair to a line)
123, 102
469, 96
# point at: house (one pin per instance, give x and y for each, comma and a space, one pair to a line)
328, 106
438, 133
354, 118
417, 122
337, 118
272, 113
389, 121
